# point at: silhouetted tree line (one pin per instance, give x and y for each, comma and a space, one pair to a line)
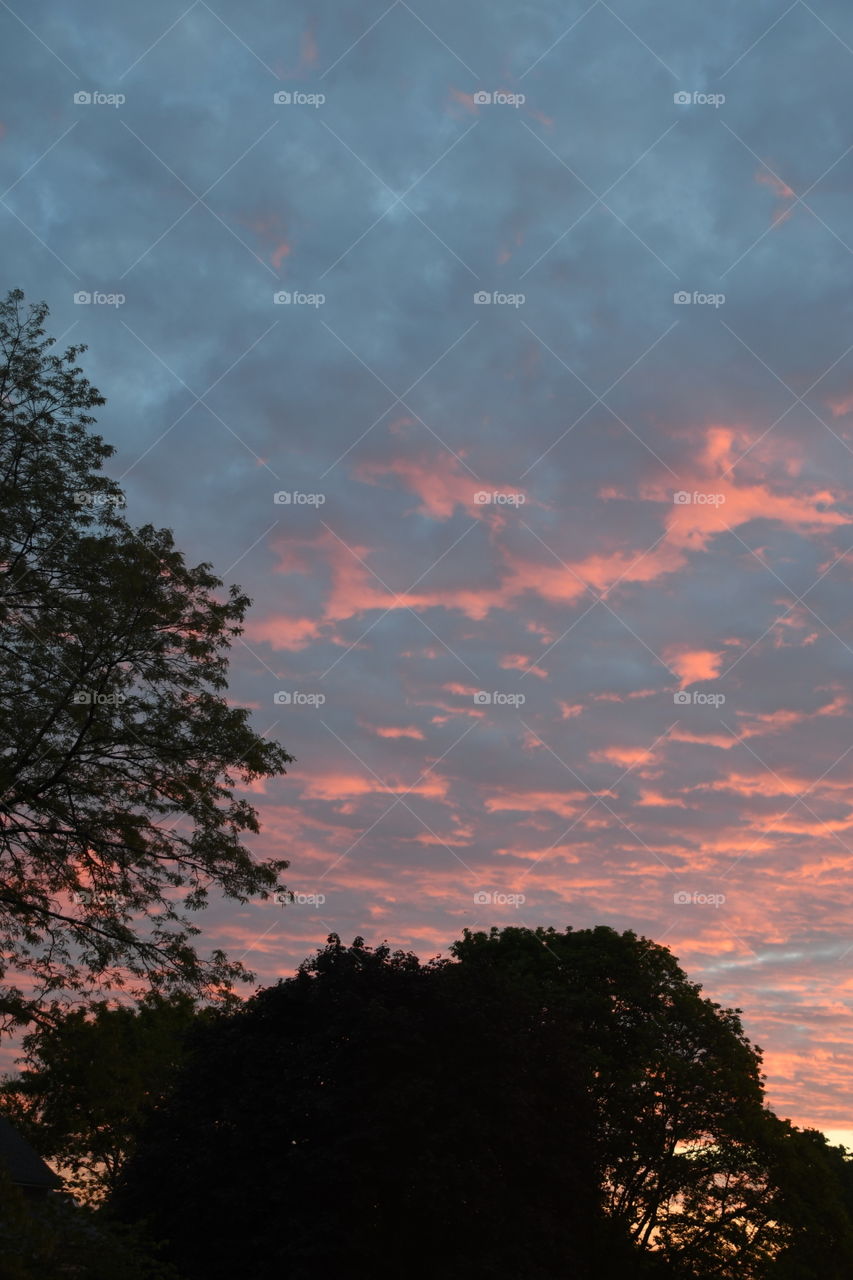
544, 1104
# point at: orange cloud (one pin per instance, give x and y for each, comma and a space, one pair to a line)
693, 665
565, 803
453, 840
704, 737
693, 524
282, 632
840, 407
548, 121
518, 662
280, 252
781, 189
336, 786
308, 54
308, 49
628, 757
268, 226
442, 486
440, 481
655, 799
465, 100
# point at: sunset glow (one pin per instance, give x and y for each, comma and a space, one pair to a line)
552, 597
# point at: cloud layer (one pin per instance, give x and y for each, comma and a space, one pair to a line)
556, 399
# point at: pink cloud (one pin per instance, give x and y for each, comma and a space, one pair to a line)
391, 731
781, 189
693, 665
465, 101
282, 632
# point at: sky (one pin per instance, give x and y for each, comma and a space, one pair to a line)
503, 354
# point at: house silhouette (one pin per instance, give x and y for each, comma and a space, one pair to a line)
24, 1166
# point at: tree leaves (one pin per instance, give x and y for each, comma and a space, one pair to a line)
119, 756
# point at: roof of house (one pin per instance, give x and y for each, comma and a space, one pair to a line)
26, 1168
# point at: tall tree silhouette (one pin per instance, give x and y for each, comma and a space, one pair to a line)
119, 754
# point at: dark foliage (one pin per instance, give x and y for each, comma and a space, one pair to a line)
375, 1113
119, 753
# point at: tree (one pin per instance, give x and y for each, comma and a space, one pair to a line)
550, 1104
665, 1068
57, 1238
89, 1080
693, 1165
812, 1200
119, 754
378, 1114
